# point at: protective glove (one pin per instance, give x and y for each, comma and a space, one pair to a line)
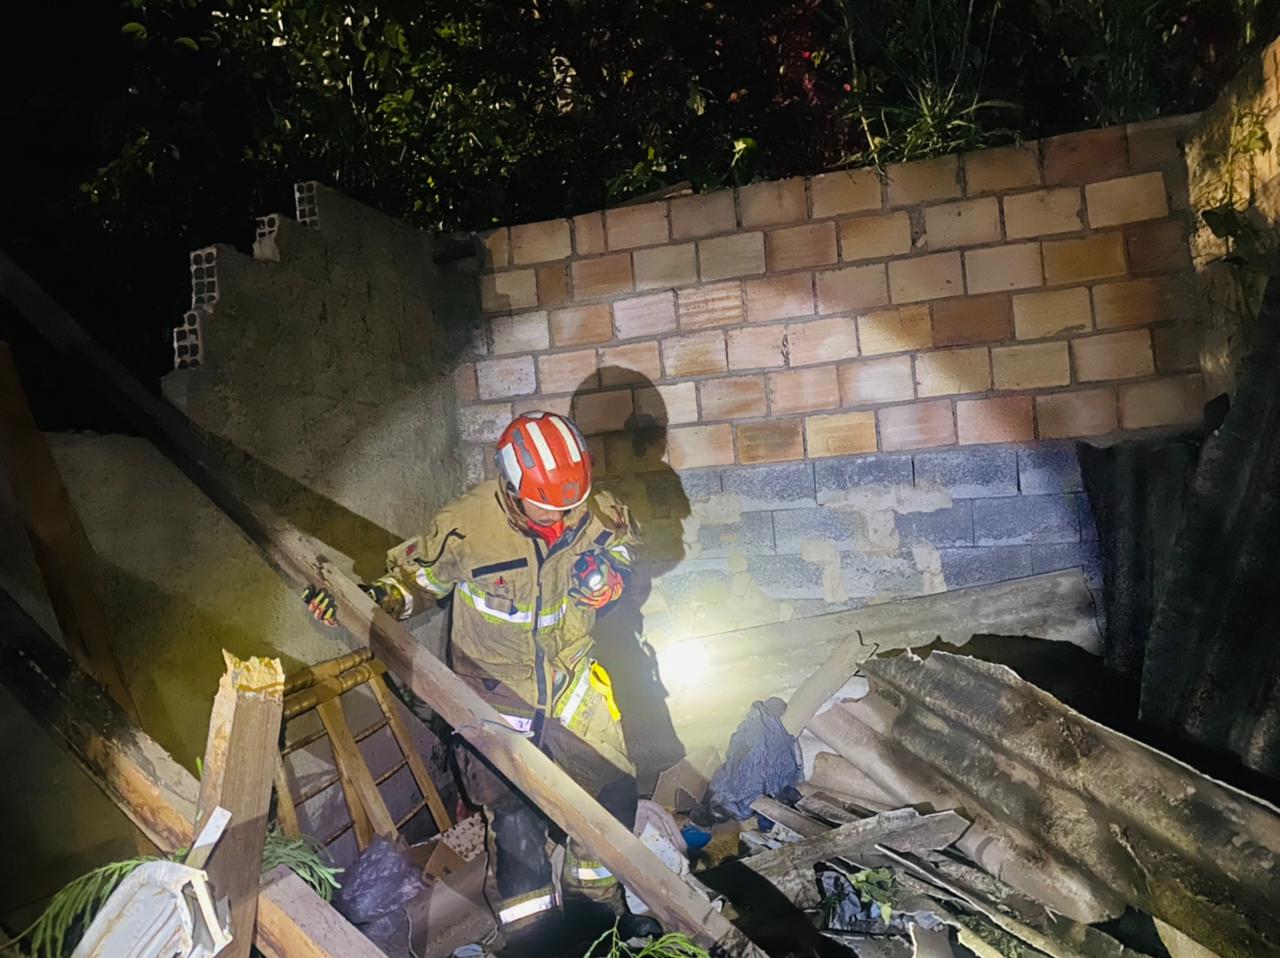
321, 603
596, 582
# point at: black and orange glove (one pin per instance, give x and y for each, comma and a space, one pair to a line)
321, 603
596, 582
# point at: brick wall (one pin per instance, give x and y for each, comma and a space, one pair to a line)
819, 342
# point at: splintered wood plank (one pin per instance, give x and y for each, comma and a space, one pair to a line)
790, 868
147, 785
426, 785
240, 759
142, 779
368, 810
304, 561
57, 537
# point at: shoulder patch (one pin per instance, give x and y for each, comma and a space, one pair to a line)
405, 553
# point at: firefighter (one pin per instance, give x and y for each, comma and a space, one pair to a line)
530, 559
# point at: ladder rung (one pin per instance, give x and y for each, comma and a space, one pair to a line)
413, 811
321, 733
391, 771
338, 834
327, 784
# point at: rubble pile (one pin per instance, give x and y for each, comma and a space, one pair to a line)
943, 806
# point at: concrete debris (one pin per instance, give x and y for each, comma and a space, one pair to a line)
790, 868
684, 784
1149, 830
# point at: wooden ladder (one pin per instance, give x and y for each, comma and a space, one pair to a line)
320, 687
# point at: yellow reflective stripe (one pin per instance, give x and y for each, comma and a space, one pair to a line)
550, 618
622, 552
574, 701
477, 600
593, 874
429, 582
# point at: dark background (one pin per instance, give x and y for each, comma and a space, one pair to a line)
137, 131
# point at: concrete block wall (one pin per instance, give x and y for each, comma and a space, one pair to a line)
856, 373
736, 547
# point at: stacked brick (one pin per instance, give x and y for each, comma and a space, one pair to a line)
1011, 295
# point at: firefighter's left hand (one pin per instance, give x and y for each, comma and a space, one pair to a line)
608, 591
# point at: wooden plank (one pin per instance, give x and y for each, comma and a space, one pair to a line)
238, 773
142, 779
304, 561
295, 922
826, 806
790, 868
998, 843
357, 782
426, 785
788, 817
1032, 936
155, 792
57, 538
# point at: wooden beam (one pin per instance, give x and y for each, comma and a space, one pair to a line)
304, 561
57, 537
295, 922
239, 770
142, 779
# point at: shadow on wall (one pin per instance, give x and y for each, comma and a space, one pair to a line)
637, 472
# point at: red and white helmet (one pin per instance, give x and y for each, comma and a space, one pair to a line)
543, 459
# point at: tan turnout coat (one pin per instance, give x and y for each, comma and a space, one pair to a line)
517, 636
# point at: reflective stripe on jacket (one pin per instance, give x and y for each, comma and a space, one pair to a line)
513, 620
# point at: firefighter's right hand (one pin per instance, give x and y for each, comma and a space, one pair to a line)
321, 604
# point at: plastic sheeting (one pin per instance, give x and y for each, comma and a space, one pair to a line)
375, 889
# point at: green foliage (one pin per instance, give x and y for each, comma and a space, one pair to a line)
153, 127
305, 857
72, 907
922, 94
1251, 249
672, 945
459, 113
870, 885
